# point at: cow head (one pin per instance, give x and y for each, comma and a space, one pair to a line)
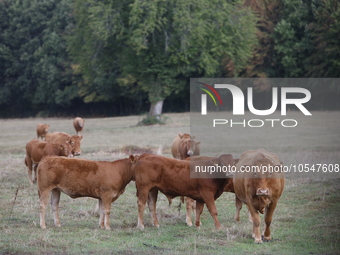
46, 127
66, 150
265, 172
191, 146
75, 141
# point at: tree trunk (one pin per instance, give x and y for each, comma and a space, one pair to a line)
156, 109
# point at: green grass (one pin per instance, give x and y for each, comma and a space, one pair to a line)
306, 220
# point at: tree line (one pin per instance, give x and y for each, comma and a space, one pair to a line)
108, 58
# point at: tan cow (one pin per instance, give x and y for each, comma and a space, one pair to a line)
64, 138
184, 146
103, 180
42, 130
78, 124
36, 150
172, 178
259, 189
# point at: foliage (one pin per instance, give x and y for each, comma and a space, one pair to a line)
158, 44
261, 63
69, 57
324, 59
153, 120
307, 39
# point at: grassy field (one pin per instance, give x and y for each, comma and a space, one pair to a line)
306, 220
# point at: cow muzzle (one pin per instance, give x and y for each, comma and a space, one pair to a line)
262, 192
77, 153
190, 153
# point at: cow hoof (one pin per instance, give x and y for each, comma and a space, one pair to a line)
258, 242
267, 239
140, 227
189, 224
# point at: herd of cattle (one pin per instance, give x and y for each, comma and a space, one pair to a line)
56, 170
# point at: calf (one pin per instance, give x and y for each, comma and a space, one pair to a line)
259, 189
103, 180
42, 130
36, 150
78, 124
172, 178
64, 138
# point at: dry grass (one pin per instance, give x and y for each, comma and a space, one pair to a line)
305, 222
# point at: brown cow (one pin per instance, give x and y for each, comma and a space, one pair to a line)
257, 188
78, 124
184, 146
36, 150
42, 130
172, 177
64, 138
103, 180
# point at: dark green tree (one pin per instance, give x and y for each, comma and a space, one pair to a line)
35, 71
155, 46
324, 33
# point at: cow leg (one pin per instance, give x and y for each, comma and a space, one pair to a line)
152, 200
141, 201
55, 198
35, 166
256, 223
29, 163
208, 198
101, 214
238, 205
43, 197
190, 204
106, 209
268, 220
199, 210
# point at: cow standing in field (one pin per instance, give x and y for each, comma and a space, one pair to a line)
183, 146
259, 189
42, 130
172, 178
36, 150
64, 138
78, 124
103, 180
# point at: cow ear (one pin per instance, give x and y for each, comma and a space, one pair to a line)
133, 159
198, 142
81, 137
180, 135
